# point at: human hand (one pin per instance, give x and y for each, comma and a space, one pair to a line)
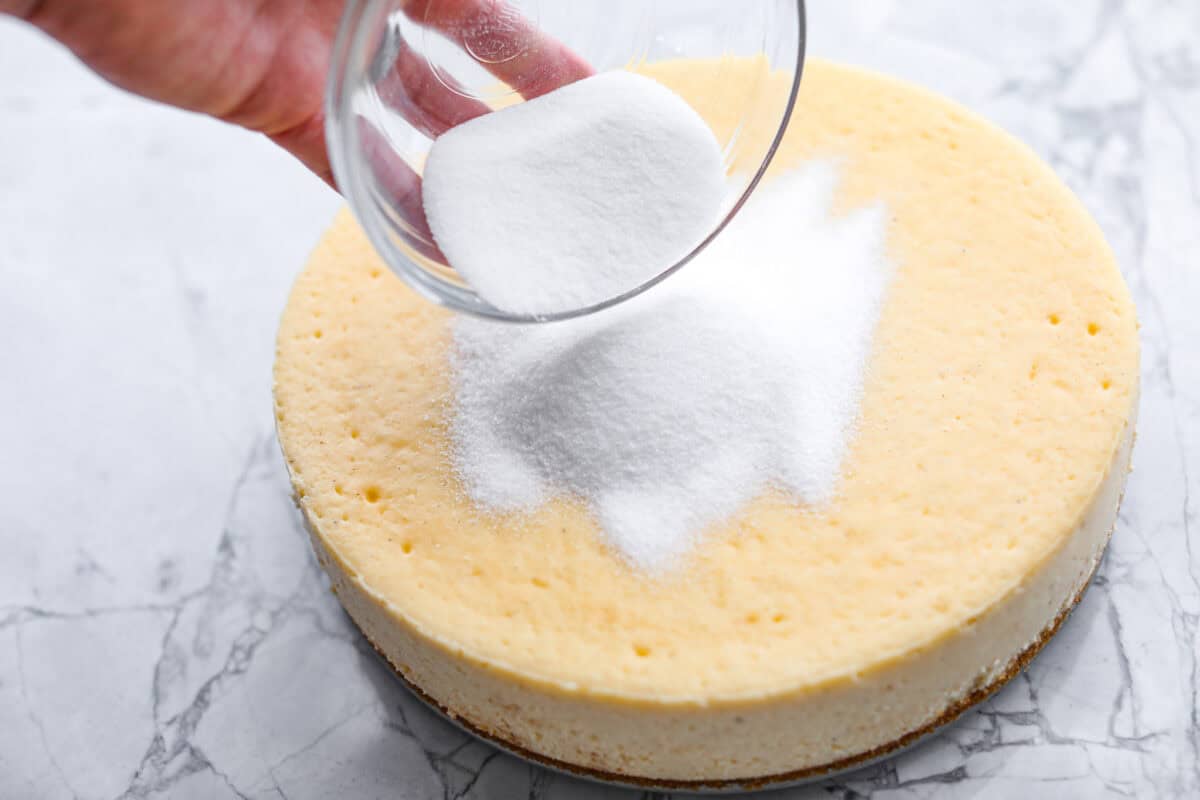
262, 64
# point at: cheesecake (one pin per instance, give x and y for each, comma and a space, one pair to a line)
975, 499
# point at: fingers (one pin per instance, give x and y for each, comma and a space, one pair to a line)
503, 41
414, 91
21, 9
500, 39
255, 64
400, 183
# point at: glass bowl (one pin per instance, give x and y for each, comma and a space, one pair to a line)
403, 71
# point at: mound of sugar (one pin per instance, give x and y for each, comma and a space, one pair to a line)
575, 197
669, 413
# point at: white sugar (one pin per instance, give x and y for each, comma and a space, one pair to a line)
669, 413
575, 197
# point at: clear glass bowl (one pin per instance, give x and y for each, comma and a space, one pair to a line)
405, 70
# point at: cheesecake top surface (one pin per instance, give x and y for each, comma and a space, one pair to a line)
1003, 375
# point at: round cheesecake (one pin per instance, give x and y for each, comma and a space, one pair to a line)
975, 500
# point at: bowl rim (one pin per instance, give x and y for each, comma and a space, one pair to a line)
344, 144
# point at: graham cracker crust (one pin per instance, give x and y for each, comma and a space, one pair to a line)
778, 780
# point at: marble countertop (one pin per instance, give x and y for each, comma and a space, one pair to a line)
164, 628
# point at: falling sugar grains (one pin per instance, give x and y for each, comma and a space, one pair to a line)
666, 415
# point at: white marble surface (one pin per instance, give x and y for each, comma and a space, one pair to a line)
164, 630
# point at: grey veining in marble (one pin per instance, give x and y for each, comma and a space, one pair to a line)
164, 629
